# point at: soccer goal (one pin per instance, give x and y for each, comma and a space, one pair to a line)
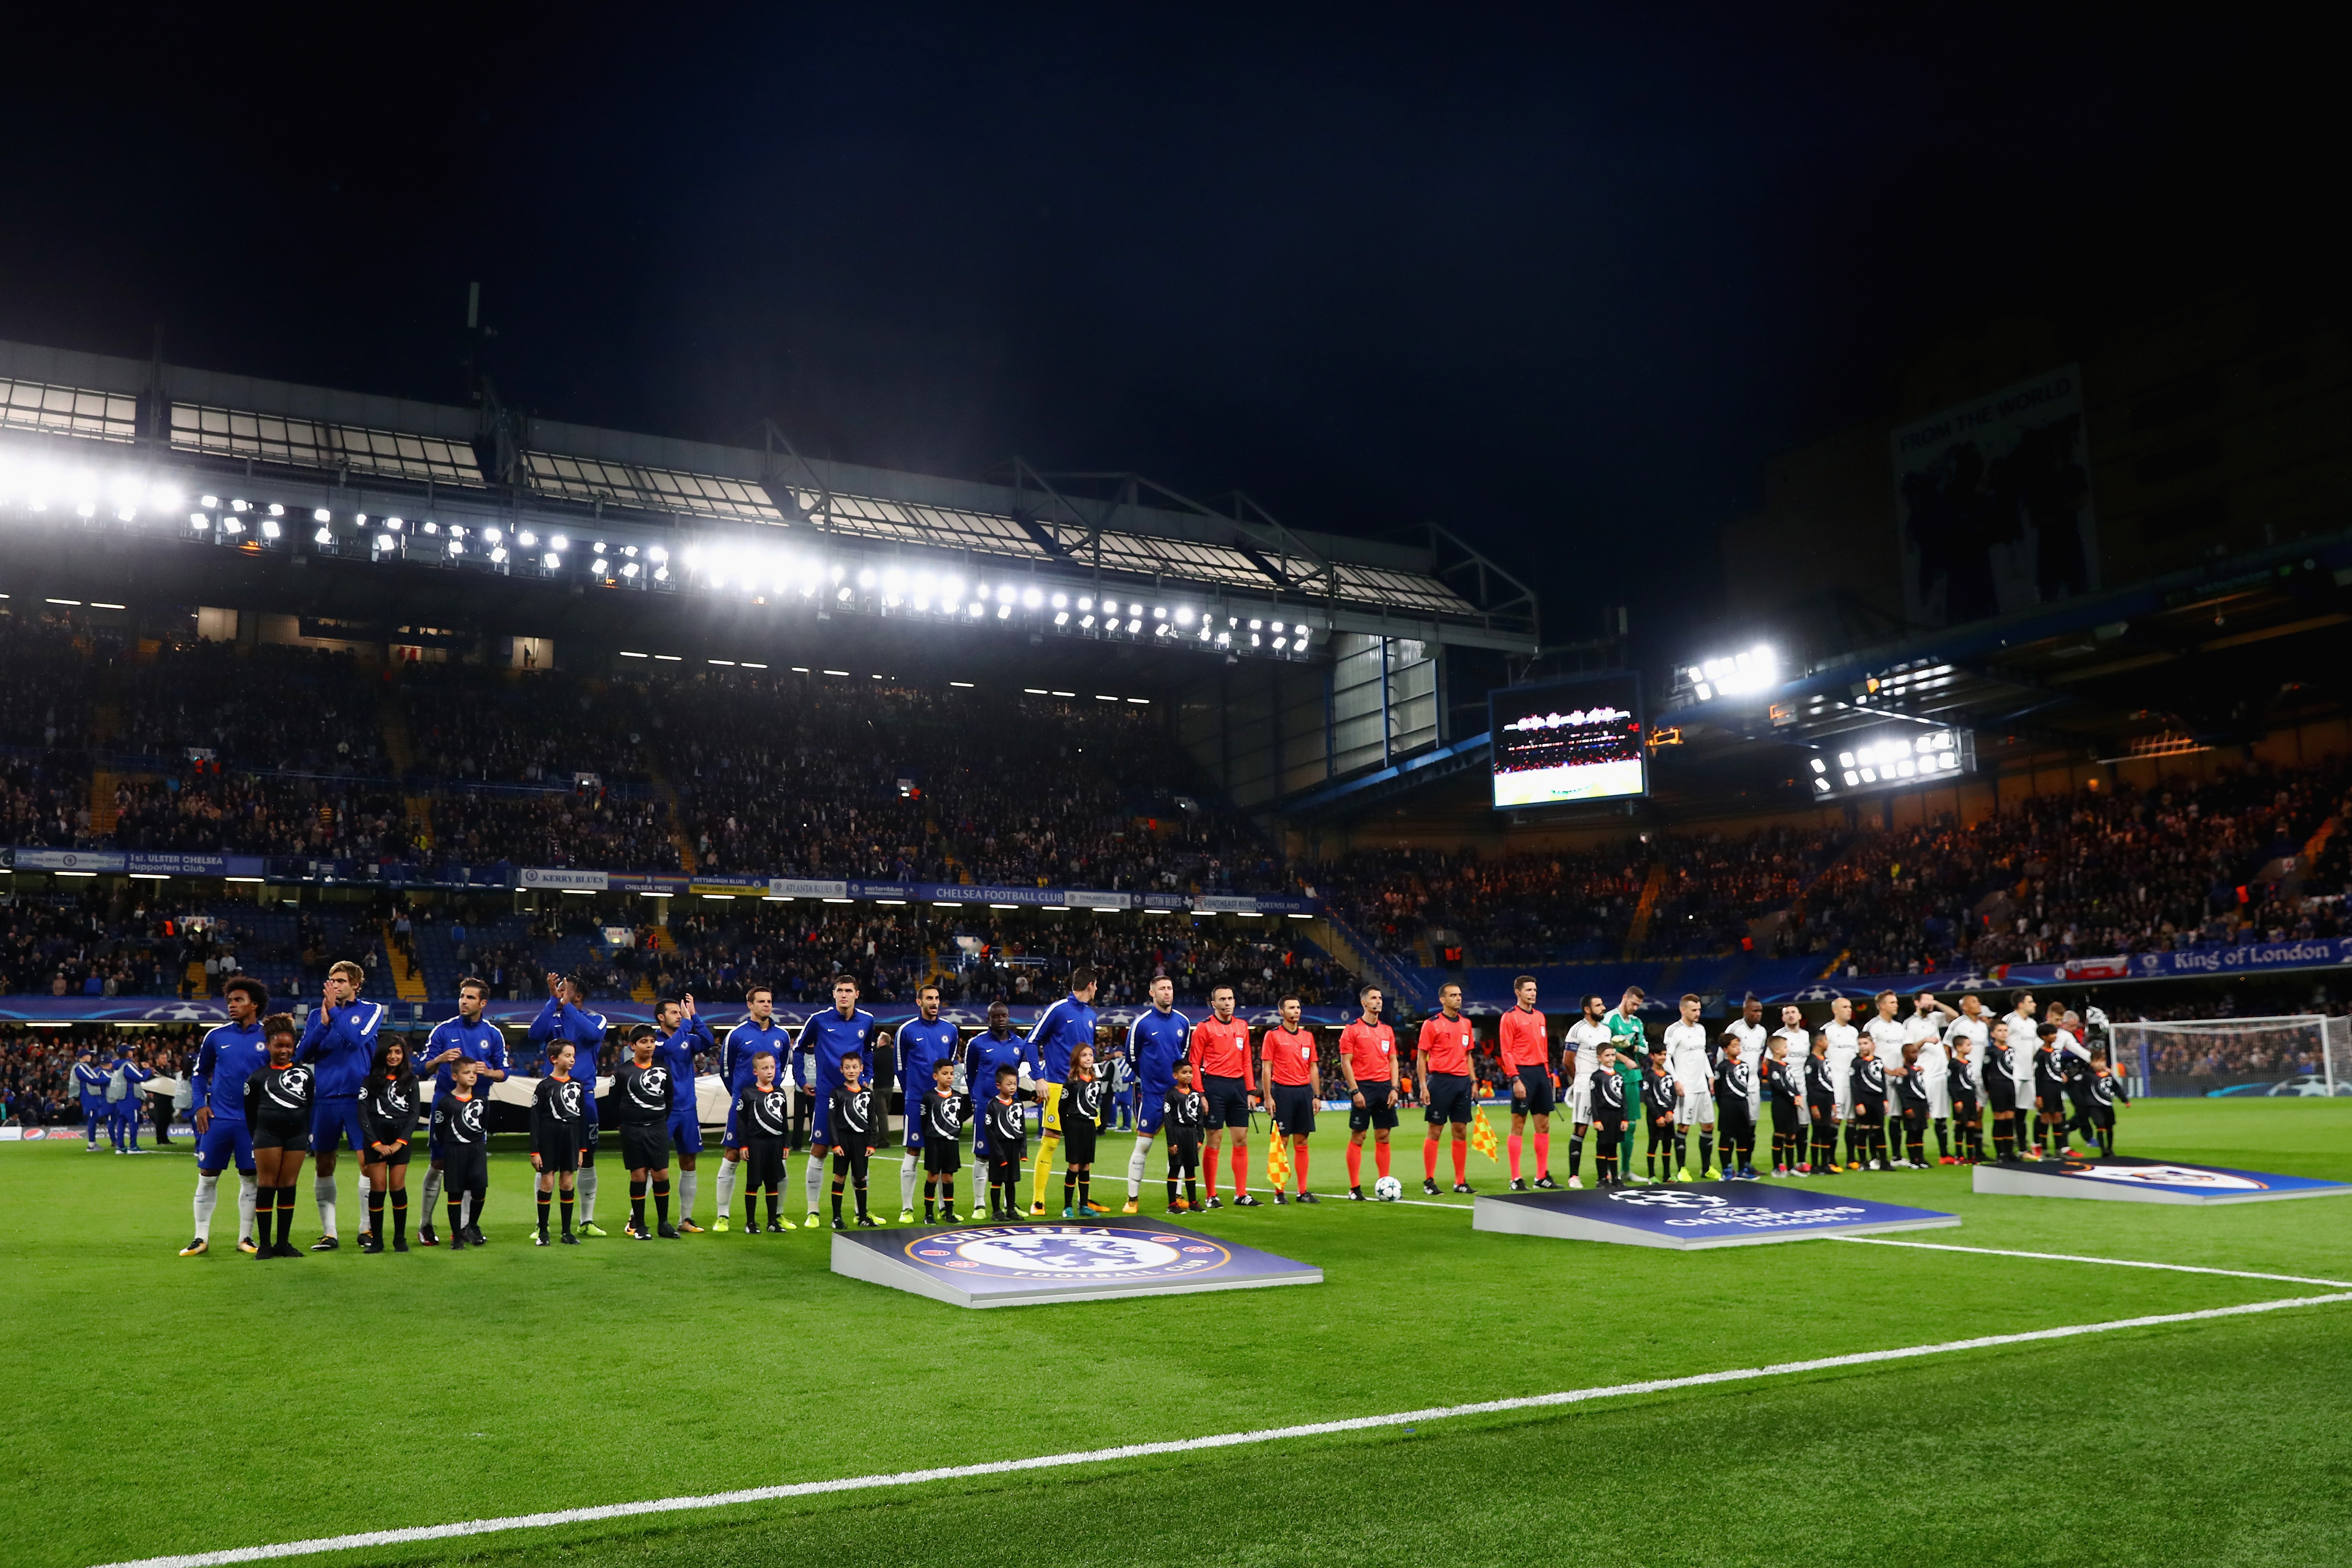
2300, 1054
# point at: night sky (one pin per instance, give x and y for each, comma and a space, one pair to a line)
1561, 279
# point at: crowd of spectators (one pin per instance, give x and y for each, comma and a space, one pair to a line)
290, 709
801, 776
2188, 862
36, 1065
279, 750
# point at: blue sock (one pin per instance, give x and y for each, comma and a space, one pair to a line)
89, 1128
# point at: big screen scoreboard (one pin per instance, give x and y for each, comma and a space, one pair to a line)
1568, 741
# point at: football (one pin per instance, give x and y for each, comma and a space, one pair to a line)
1388, 1189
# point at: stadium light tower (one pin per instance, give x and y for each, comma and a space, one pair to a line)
1735, 675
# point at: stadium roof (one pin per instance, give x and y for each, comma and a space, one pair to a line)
733, 505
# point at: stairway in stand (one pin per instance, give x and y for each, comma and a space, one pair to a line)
400, 750
1638, 932
407, 979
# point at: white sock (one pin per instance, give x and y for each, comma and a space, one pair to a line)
906, 1184
248, 1189
726, 1170
1137, 1164
815, 1182
207, 1195
363, 1199
432, 1198
584, 1188
466, 1211
323, 1188
686, 1185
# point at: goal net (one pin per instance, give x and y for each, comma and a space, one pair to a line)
2302, 1054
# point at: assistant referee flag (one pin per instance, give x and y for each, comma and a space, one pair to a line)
1482, 1134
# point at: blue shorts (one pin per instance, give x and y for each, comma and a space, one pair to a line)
335, 1118
219, 1142
1450, 1099
1150, 1110
94, 1110
686, 1131
821, 1115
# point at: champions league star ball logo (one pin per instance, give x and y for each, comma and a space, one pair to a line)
1069, 1252
1665, 1198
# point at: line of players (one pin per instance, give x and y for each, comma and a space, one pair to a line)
1884, 1084
267, 1098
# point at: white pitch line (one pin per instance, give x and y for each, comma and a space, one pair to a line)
2074, 1258
1180, 1445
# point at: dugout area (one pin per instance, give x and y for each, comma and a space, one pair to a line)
426, 1390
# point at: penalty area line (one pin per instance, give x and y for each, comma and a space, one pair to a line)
1184, 1445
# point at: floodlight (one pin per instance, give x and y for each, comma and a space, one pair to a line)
1183, 615
550, 560
324, 536
210, 502
392, 523
239, 505
269, 528
1086, 603
232, 525
655, 554
1003, 612
490, 535
1258, 626
456, 548
864, 580
1061, 601
1087, 623
498, 554
322, 515
559, 542
385, 542
276, 510
1061, 617
1031, 598
1134, 626
199, 520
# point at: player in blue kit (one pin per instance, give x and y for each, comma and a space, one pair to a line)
758, 1032
1156, 1041
89, 1088
229, 1056
563, 1018
996, 1047
681, 1035
339, 1042
468, 1037
922, 1043
124, 1111
1060, 1030
828, 1036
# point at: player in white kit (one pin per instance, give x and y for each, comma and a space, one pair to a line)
2023, 1032
1845, 1042
1749, 1030
1800, 1045
1694, 1091
1889, 1034
1585, 1037
1928, 1018
1968, 1030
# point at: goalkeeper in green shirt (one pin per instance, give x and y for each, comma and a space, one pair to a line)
1631, 1041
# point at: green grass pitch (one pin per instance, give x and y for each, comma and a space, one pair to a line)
159, 1405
